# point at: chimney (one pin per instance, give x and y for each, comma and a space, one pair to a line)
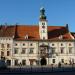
16, 32
67, 27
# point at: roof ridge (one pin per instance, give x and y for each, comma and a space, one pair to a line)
56, 26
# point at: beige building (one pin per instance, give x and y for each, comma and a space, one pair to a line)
40, 44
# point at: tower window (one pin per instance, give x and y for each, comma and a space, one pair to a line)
43, 26
43, 37
43, 31
43, 23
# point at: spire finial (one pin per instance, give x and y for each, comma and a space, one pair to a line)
42, 13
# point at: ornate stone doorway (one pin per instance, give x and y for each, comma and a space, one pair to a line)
43, 53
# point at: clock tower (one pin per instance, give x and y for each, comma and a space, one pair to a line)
43, 25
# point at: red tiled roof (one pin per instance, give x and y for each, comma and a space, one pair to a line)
73, 34
55, 31
7, 31
31, 31
20, 31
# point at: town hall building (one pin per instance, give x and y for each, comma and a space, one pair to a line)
40, 44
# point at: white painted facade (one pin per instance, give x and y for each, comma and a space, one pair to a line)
30, 51
64, 57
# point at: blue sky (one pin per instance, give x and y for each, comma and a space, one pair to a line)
58, 12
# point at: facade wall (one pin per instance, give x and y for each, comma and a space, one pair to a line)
6, 47
27, 55
67, 54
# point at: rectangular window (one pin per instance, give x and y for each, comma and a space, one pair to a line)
15, 50
53, 50
8, 45
53, 60
31, 44
23, 51
31, 62
2, 45
23, 62
8, 62
8, 53
16, 62
31, 50
62, 50
70, 50
62, 60
16, 44
2, 53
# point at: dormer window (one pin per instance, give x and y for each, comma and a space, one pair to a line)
60, 37
26, 37
13, 36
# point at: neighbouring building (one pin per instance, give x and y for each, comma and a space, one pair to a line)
40, 44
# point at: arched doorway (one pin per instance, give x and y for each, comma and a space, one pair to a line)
43, 61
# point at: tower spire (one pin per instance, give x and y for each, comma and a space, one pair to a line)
42, 14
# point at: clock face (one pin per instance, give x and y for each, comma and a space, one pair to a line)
43, 26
